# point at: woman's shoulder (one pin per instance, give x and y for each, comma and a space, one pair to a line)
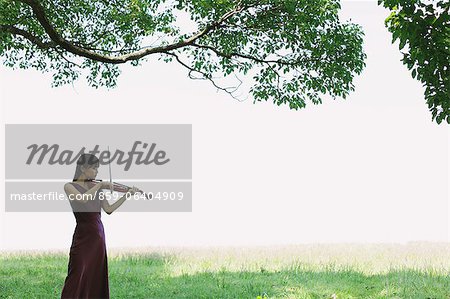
70, 185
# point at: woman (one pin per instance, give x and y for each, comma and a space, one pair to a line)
88, 265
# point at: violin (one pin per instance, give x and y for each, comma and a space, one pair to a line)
121, 188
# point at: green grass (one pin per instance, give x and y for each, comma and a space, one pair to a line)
418, 270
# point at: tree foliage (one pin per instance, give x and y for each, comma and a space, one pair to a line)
296, 50
423, 29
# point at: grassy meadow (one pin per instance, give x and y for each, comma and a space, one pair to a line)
414, 270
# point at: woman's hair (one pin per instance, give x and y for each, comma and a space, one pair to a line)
86, 160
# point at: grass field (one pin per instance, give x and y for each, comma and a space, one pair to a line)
415, 270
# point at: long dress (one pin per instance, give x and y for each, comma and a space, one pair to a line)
88, 263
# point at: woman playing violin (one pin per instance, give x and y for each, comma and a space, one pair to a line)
87, 275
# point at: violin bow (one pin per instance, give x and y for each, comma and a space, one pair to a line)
110, 176
110, 173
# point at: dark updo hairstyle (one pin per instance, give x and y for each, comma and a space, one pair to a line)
85, 160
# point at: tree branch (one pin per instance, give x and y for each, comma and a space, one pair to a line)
230, 90
246, 56
40, 15
35, 40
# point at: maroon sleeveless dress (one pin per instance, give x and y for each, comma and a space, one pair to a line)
88, 263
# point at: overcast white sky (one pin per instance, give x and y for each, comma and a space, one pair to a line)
372, 168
